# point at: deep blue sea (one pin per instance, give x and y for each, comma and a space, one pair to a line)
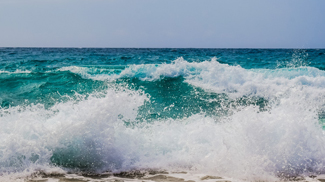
233, 112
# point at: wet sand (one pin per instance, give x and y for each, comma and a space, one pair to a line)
149, 176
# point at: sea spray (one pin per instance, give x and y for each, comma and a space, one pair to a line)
245, 114
33, 134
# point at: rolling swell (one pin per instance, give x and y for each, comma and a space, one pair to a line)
45, 88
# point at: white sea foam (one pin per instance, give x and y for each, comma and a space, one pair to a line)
29, 135
89, 72
248, 144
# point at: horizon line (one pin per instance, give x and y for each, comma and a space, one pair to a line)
72, 47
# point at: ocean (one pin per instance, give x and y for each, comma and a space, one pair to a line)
245, 114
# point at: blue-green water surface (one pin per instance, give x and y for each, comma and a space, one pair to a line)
99, 109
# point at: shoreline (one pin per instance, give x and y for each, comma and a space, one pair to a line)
150, 176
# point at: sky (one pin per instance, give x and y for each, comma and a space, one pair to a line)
163, 23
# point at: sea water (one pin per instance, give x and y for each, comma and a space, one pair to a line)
250, 114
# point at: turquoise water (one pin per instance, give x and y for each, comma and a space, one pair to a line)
220, 110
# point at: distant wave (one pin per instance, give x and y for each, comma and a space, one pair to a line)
216, 77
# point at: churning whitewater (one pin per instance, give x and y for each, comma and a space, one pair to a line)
247, 114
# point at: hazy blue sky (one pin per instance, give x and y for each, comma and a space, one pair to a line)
163, 23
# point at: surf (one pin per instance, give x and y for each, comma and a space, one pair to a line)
203, 117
